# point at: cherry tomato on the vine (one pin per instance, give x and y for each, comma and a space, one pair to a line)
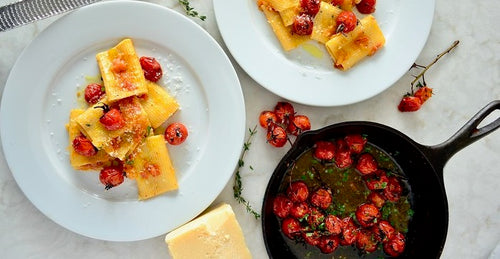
267, 118
176, 133
276, 136
299, 124
410, 104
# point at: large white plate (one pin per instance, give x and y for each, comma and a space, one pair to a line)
300, 77
41, 90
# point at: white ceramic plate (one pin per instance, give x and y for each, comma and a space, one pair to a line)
41, 90
300, 77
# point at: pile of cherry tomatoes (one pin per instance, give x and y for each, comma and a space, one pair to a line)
281, 122
306, 214
112, 119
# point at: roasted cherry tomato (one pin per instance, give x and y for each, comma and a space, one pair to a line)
297, 192
337, 2
366, 6
366, 164
299, 124
346, 21
300, 210
356, 143
310, 7
423, 93
311, 237
386, 230
324, 150
285, 112
267, 118
409, 104
342, 157
333, 224
377, 181
112, 119
276, 136
376, 199
282, 206
366, 241
315, 218
83, 146
321, 198
176, 133
349, 232
328, 244
152, 69
396, 245
291, 228
111, 176
367, 215
93, 93
303, 24
393, 190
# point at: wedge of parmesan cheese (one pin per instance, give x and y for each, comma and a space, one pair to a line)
215, 234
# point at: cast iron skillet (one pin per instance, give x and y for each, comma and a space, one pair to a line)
422, 165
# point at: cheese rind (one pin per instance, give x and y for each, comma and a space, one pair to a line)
215, 234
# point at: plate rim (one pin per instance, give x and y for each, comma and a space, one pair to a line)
150, 231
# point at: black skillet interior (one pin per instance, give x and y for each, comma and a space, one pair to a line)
429, 224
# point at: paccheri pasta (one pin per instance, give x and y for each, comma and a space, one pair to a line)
115, 133
332, 23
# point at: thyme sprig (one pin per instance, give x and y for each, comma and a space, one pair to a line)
238, 185
190, 11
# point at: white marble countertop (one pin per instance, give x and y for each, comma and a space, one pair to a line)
464, 82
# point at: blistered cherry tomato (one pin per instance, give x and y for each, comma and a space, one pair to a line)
311, 237
310, 7
93, 93
276, 136
377, 180
366, 6
291, 228
282, 206
387, 231
376, 199
366, 241
321, 198
176, 133
367, 214
324, 150
299, 124
285, 112
297, 192
315, 218
423, 93
393, 190
267, 118
409, 104
396, 245
342, 156
83, 146
328, 244
111, 176
366, 164
356, 143
346, 21
112, 119
303, 24
152, 69
349, 232
333, 224
300, 210
337, 2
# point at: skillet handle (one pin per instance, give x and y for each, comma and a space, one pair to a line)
468, 134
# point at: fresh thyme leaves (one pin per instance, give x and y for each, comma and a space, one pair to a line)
238, 185
190, 11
